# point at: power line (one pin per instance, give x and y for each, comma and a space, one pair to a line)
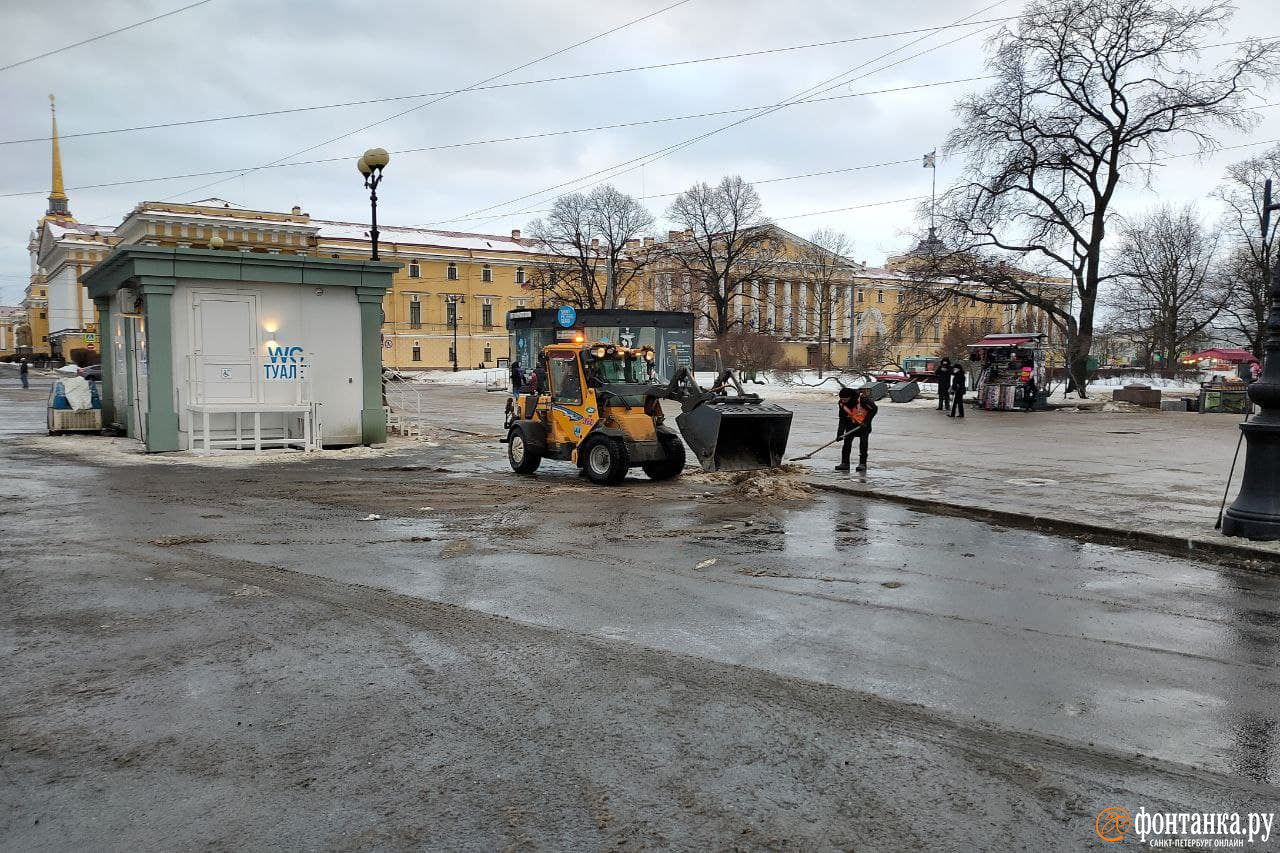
521, 138
99, 37
563, 78
819, 88
445, 97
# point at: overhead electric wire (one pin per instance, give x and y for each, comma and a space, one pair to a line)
497, 140
560, 79
445, 97
818, 88
100, 37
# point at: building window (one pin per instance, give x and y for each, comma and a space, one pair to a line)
415, 271
486, 274
486, 315
453, 271
902, 297
919, 331
519, 275
415, 312
488, 352
451, 315
879, 296
937, 330
417, 351
520, 303
859, 294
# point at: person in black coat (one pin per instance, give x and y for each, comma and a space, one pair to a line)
517, 378
856, 413
958, 388
942, 376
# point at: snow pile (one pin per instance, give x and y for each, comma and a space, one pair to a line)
462, 377
771, 484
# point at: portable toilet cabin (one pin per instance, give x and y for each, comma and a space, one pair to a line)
204, 348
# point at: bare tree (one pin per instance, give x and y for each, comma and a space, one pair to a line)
618, 220
585, 238
727, 242
1166, 292
749, 351
1089, 93
823, 265
1251, 256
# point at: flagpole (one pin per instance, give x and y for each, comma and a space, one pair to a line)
933, 192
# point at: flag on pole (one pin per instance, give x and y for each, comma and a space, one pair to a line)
931, 159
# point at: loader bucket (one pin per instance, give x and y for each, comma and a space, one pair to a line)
728, 434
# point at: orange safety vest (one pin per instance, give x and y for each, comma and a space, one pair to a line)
857, 414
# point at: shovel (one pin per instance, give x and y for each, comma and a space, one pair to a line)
825, 446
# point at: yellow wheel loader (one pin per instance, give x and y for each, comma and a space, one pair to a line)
598, 406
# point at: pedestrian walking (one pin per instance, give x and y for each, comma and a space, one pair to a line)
1029, 392
517, 378
942, 376
23, 370
856, 413
958, 380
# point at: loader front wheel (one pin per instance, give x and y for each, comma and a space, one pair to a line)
523, 459
669, 467
605, 460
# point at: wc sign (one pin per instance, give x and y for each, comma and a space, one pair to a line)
285, 363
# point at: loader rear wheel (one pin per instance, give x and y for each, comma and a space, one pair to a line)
605, 460
669, 467
523, 459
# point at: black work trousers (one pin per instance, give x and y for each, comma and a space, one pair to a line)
863, 436
944, 398
957, 405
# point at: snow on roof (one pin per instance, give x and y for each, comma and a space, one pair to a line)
58, 230
332, 230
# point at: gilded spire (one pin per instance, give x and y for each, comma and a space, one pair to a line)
57, 195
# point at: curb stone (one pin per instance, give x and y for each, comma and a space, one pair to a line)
1224, 553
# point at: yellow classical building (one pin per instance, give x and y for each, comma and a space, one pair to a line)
868, 312
60, 315
13, 319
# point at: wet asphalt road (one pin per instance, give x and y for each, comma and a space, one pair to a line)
219, 657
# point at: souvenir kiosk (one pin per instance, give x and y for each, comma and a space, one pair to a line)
1003, 364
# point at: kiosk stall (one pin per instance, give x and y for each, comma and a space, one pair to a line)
1004, 363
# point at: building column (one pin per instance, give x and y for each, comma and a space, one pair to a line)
373, 420
105, 344
806, 328
786, 310
161, 415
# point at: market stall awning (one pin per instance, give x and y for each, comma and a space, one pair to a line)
1004, 341
1235, 355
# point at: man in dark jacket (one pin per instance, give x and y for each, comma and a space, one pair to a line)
942, 375
23, 370
856, 414
958, 388
517, 378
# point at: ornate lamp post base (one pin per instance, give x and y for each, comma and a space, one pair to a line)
1255, 513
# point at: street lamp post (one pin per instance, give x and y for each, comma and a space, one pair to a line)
455, 301
371, 165
1255, 513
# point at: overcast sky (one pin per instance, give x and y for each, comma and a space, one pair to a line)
235, 56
